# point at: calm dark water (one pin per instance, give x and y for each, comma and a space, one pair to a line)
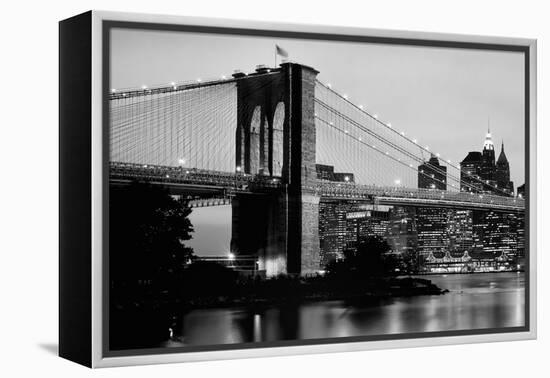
475, 301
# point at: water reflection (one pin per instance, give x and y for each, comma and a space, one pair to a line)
491, 300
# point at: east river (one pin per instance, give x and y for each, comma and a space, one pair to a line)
475, 301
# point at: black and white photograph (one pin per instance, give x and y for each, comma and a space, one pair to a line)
288, 189
276, 190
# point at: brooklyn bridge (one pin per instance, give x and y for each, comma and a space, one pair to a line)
260, 141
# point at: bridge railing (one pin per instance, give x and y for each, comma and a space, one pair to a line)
352, 190
238, 181
193, 176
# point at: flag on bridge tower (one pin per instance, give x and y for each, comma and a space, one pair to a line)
279, 51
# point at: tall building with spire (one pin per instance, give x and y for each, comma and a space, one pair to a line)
488, 168
502, 174
481, 173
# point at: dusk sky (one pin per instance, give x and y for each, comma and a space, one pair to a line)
443, 96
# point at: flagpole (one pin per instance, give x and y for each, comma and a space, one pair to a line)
275, 57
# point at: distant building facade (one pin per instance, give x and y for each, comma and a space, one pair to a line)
333, 229
431, 222
326, 172
366, 223
521, 190
402, 235
432, 175
502, 173
470, 172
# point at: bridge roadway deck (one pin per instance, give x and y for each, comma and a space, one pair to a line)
181, 179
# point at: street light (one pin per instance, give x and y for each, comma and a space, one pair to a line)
397, 182
238, 169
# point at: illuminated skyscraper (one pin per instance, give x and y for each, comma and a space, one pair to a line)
433, 239
431, 223
366, 223
495, 238
332, 230
402, 235
432, 175
461, 233
488, 168
470, 172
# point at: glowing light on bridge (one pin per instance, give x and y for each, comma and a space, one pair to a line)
144, 87
375, 116
113, 90
345, 96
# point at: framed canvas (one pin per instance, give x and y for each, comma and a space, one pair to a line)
235, 189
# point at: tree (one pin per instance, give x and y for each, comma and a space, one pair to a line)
369, 259
147, 231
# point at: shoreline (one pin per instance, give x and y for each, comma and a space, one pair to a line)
392, 288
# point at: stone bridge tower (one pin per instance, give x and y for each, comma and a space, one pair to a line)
275, 137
